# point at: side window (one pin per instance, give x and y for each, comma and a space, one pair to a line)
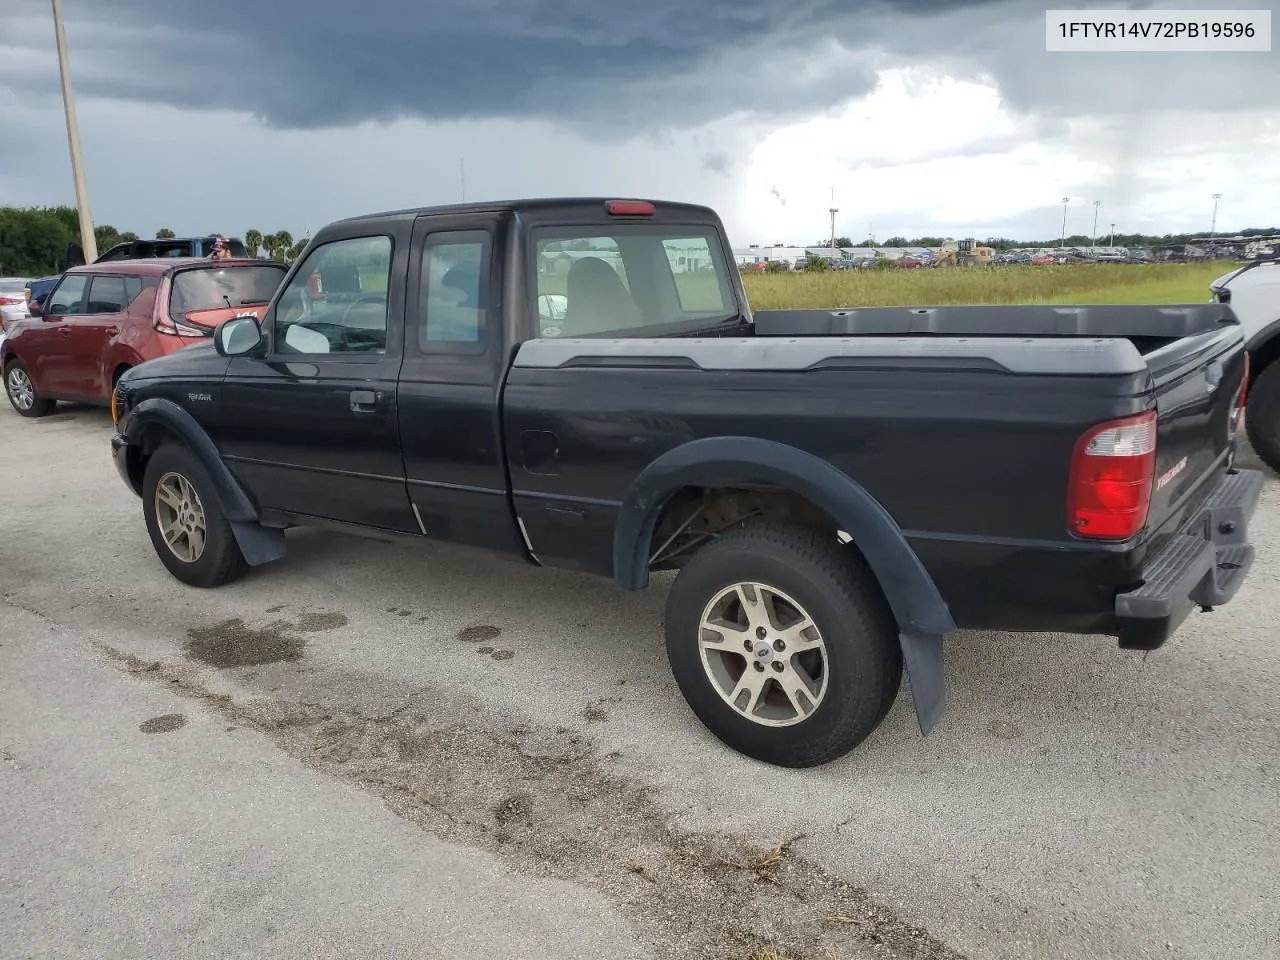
454, 292
698, 284
67, 296
106, 295
132, 287
337, 301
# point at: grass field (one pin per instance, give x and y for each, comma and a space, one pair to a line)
1083, 283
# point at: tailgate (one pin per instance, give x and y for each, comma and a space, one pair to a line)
1198, 381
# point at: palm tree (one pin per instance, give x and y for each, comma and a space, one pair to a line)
253, 241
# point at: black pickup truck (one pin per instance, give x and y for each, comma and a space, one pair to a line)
582, 384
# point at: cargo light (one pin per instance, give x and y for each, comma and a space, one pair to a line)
629, 208
1112, 473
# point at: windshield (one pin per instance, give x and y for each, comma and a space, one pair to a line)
208, 287
623, 280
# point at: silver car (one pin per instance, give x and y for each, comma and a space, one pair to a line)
13, 301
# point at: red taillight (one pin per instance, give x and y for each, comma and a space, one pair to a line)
629, 208
7, 300
1238, 413
1112, 471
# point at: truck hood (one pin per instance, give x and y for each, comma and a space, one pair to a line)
199, 359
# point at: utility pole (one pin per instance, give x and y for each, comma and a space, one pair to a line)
1096, 205
462, 176
1065, 201
833, 211
1111, 239
88, 242
1214, 223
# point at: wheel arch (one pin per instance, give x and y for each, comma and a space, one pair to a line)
156, 421
1264, 348
720, 462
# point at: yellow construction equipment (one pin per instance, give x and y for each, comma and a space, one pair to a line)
964, 253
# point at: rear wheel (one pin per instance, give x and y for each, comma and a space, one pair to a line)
1262, 415
22, 391
782, 643
188, 530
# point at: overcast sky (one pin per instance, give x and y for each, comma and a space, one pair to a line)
925, 117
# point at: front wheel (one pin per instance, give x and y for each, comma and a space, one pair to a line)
782, 643
188, 530
1262, 416
22, 392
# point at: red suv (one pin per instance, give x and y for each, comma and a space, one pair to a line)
104, 318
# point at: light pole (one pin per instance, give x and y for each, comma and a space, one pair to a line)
1111, 239
1213, 225
1096, 205
833, 211
88, 242
1065, 201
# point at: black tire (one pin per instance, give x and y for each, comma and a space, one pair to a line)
40, 406
1262, 415
839, 593
220, 561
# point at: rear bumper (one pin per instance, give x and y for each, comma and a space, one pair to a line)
1203, 565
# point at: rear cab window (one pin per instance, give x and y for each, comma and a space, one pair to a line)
629, 280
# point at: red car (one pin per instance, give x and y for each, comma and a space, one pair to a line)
104, 318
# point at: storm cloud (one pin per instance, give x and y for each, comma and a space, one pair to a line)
595, 66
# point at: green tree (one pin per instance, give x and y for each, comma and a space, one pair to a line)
164, 233
898, 242
253, 241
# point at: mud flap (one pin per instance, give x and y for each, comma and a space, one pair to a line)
922, 654
257, 543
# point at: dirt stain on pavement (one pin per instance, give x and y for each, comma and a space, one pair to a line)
562, 812
316, 622
165, 723
478, 633
231, 643
502, 654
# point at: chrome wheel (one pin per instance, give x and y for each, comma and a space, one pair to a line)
180, 516
21, 390
763, 654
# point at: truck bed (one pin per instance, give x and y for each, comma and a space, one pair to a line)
1147, 327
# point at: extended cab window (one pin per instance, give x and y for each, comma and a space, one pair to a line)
66, 299
454, 292
337, 301
106, 295
634, 280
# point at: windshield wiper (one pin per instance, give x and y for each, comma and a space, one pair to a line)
251, 302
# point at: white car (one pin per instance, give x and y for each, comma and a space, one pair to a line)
1254, 294
13, 300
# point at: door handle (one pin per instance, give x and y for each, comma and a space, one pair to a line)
65, 331
112, 331
363, 401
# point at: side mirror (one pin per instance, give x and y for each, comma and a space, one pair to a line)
237, 337
34, 308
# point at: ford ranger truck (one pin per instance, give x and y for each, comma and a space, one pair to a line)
581, 383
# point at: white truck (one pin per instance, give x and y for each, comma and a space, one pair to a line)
1254, 294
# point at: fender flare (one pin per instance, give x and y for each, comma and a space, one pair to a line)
1265, 341
259, 544
730, 461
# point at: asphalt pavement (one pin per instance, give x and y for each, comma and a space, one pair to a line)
380, 749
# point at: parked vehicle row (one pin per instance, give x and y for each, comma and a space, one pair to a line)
838, 491
101, 320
